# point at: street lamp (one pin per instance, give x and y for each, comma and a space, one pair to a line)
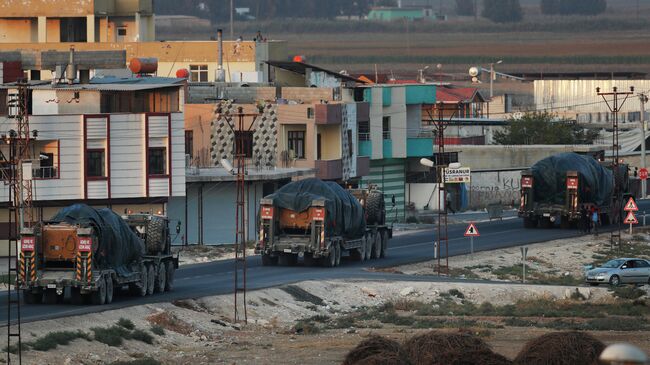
493, 77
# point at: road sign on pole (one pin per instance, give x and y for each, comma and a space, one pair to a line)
471, 231
457, 175
631, 206
643, 173
630, 219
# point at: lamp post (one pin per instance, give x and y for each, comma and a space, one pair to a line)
493, 77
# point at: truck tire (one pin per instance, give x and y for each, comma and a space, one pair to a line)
376, 248
76, 298
288, 259
359, 254
375, 208
330, 259
170, 269
369, 243
384, 243
98, 297
156, 240
109, 289
268, 260
161, 278
49, 296
151, 279
140, 289
339, 248
30, 297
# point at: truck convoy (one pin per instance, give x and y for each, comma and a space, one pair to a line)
92, 253
558, 187
321, 222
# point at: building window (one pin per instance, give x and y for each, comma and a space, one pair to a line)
157, 160
246, 138
310, 113
95, 163
386, 127
121, 31
364, 131
296, 143
189, 143
199, 73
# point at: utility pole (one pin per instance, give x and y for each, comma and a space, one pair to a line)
232, 20
617, 202
642, 100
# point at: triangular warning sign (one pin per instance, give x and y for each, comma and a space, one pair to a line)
630, 219
471, 231
631, 206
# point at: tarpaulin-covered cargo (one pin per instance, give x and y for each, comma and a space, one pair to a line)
117, 246
549, 176
344, 213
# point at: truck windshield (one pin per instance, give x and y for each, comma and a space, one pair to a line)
612, 264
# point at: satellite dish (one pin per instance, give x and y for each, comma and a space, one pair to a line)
475, 79
474, 71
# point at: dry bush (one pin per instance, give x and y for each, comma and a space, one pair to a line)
478, 357
377, 350
560, 348
431, 348
169, 321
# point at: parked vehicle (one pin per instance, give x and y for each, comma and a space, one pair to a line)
558, 187
320, 222
620, 271
92, 253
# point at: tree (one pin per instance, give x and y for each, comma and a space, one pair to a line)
543, 128
502, 11
465, 7
573, 7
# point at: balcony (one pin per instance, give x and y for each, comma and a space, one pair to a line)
329, 169
329, 114
419, 143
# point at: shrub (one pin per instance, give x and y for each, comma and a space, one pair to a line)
142, 336
158, 330
112, 336
126, 323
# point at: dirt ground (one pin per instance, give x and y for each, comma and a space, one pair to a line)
196, 254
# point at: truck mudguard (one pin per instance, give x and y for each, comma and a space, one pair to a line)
549, 176
344, 213
117, 246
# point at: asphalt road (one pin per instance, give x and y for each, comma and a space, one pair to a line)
406, 247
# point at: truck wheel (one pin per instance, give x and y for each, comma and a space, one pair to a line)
375, 208
151, 279
140, 289
330, 260
384, 244
75, 296
98, 297
288, 259
268, 260
161, 278
155, 240
369, 243
49, 296
109, 289
338, 254
169, 285
309, 259
30, 297
359, 254
376, 252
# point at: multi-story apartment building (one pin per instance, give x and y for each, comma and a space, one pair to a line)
114, 143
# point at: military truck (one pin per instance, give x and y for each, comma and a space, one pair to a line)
92, 253
320, 222
558, 187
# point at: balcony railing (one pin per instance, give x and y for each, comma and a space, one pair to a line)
364, 136
37, 173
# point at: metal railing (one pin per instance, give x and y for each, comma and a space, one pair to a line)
364, 136
47, 172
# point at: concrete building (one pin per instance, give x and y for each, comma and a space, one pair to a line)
109, 143
55, 21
